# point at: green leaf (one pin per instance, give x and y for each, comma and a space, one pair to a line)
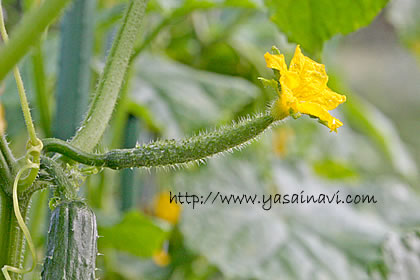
180, 6
188, 99
73, 82
402, 256
381, 131
27, 33
334, 169
135, 234
107, 92
297, 241
311, 22
301, 241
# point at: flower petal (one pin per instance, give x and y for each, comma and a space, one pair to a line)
327, 98
320, 112
276, 61
304, 89
312, 75
302, 64
290, 80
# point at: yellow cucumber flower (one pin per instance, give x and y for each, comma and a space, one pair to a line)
161, 258
166, 210
304, 89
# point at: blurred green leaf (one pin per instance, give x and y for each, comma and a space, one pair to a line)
185, 99
301, 241
404, 16
333, 169
381, 131
310, 23
402, 256
10, 98
73, 82
135, 234
183, 6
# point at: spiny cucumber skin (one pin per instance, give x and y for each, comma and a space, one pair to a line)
172, 152
72, 243
168, 152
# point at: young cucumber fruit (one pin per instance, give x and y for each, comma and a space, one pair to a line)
72, 243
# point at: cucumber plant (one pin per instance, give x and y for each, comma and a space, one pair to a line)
72, 249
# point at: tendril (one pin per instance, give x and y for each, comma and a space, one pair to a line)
28, 166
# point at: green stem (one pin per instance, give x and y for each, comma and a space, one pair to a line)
6, 210
73, 82
37, 222
7, 165
64, 188
12, 241
29, 30
106, 95
7, 153
169, 152
21, 89
5, 174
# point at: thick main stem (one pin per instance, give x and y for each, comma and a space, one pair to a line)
7, 154
29, 30
106, 95
5, 175
12, 243
6, 212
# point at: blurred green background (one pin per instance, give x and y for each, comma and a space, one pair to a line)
196, 67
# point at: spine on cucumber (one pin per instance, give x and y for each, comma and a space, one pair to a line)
72, 243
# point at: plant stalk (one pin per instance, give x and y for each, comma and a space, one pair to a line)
7, 153
169, 152
29, 30
12, 242
6, 212
111, 81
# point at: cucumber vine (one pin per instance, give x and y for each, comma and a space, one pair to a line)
41, 167
31, 164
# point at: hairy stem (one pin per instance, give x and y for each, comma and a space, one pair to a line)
6, 212
7, 153
21, 89
168, 152
73, 82
12, 241
29, 30
106, 95
7, 165
64, 188
5, 174
34, 145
